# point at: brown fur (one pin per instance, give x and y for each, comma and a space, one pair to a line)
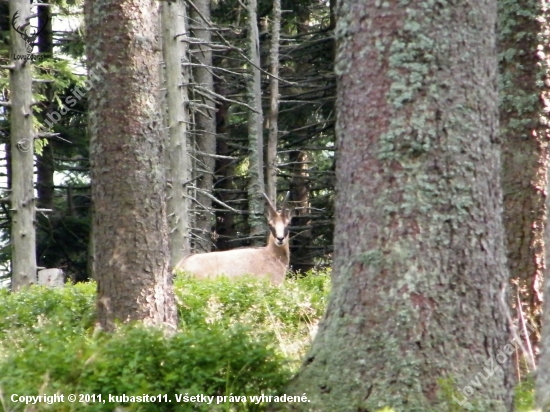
269, 261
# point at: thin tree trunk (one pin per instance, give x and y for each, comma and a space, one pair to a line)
538, 25
44, 177
205, 125
416, 308
524, 147
45, 166
300, 257
273, 129
23, 235
44, 162
225, 170
299, 171
256, 201
128, 176
174, 24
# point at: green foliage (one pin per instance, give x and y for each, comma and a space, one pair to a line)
448, 392
455, 401
233, 339
136, 361
70, 308
524, 395
212, 362
289, 312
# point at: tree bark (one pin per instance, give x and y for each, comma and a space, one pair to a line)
225, 170
273, 130
175, 51
44, 162
419, 247
300, 258
537, 26
256, 201
128, 176
524, 133
45, 166
23, 234
205, 125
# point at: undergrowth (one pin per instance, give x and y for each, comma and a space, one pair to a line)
289, 313
241, 337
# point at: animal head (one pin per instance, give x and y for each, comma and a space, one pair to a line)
278, 222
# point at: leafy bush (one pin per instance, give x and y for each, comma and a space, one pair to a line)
136, 361
238, 337
71, 307
289, 312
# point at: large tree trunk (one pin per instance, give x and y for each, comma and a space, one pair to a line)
127, 153
419, 251
205, 125
256, 201
23, 235
524, 147
175, 51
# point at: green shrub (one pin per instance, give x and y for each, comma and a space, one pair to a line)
289, 312
136, 361
241, 337
70, 307
292, 302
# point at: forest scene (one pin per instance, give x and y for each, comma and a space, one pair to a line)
274, 205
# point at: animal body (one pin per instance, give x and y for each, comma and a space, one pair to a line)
269, 261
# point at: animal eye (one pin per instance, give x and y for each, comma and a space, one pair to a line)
286, 231
272, 229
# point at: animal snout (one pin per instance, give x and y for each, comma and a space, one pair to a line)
280, 239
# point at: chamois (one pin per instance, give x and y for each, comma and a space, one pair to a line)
269, 261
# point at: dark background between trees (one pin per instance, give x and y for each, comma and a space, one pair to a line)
305, 144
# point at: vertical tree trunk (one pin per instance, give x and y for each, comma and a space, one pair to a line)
225, 170
205, 124
45, 167
300, 257
256, 201
127, 153
273, 129
543, 365
174, 25
419, 250
44, 177
524, 146
23, 233
537, 28
44, 162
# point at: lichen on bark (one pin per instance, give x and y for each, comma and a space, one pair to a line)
419, 254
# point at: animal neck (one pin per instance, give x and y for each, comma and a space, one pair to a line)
281, 252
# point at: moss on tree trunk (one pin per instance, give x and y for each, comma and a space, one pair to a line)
419, 261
